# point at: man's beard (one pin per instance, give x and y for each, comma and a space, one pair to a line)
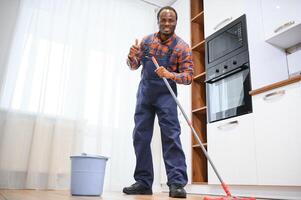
167, 34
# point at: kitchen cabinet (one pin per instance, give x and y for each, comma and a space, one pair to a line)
231, 145
268, 63
282, 22
277, 117
218, 13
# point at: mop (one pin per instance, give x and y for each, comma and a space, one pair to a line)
223, 184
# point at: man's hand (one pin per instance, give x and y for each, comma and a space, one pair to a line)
134, 50
162, 72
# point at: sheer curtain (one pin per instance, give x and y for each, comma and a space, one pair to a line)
67, 89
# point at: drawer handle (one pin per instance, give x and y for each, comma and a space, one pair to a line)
268, 96
287, 24
235, 122
222, 22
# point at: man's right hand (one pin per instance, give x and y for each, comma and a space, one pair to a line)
134, 50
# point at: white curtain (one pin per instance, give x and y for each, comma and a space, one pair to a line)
67, 89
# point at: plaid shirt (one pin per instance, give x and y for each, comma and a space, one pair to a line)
180, 59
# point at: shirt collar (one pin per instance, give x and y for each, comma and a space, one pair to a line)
168, 41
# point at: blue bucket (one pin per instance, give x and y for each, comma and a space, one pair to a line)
87, 175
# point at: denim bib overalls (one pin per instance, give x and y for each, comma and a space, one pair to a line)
153, 97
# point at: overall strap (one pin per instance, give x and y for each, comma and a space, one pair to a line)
146, 48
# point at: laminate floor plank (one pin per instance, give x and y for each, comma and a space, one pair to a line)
65, 195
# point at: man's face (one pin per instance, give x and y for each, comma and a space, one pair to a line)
167, 22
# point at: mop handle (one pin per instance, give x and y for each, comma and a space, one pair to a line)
194, 132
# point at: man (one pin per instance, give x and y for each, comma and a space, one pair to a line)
153, 97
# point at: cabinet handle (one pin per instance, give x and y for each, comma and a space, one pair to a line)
222, 22
268, 96
287, 24
235, 122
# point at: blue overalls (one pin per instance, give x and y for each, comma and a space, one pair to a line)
153, 97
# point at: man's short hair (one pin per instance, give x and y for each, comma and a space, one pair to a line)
167, 8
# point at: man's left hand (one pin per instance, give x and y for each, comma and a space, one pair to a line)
163, 72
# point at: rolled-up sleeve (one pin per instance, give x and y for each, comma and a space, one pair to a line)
133, 63
185, 67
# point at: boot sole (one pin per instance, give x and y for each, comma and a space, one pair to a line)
146, 192
183, 196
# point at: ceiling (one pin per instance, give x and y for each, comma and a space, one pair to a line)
159, 3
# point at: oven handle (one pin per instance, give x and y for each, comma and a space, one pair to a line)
287, 24
270, 95
223, 126
226, 75
222, 22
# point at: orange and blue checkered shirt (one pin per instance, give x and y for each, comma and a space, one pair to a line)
181, 64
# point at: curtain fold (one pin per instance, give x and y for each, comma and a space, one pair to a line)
67, 89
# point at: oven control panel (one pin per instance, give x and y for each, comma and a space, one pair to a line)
228, 65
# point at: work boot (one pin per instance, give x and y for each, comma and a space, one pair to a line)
177, 191
137, 188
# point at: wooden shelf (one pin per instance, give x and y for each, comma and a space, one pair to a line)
200, 77
199, 166
196, 6
201, 110
200, 47
199, 183
199, 123
199, 18
198, 146
198, 93
199, 63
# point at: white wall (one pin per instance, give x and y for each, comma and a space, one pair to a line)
8, 16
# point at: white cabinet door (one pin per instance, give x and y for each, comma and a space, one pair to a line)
218, 13
267, 63
282, 21
232, 149
277, 119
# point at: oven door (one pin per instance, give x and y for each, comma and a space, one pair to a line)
228, 95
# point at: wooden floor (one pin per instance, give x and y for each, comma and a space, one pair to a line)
64, 195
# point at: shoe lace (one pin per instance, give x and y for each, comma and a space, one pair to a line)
136, 184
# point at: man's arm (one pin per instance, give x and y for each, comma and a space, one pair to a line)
185, 67
134, 57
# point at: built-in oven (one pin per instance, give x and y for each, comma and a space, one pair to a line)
227, 72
